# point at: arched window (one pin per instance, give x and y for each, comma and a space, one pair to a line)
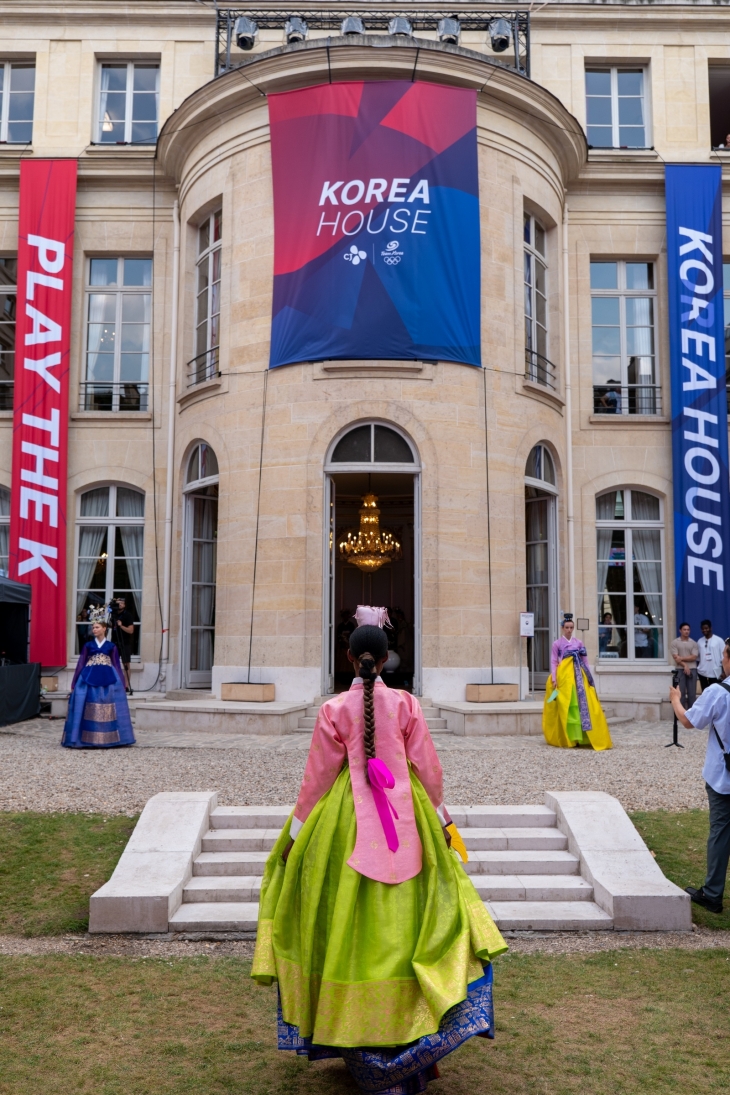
541, 557
630, 535
4, 529
201, 542
109, 554
372, 443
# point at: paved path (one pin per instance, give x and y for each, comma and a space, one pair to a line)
36, 774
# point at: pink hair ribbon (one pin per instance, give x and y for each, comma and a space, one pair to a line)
381, 778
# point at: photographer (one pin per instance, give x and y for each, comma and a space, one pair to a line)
122, 623
712, 712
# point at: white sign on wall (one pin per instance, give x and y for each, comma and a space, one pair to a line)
527, 624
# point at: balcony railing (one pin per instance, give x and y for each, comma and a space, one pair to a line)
6, 395
203, 367
627, 399
128, 396
540, 371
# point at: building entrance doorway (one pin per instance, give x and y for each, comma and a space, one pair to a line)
355, 490
200, 560
542, 561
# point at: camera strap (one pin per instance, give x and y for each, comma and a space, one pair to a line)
726, 756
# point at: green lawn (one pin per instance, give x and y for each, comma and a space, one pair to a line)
644, 1022
49, 866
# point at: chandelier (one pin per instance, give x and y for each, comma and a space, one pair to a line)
370, 546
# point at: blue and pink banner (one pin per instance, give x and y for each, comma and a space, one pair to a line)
376, 215
699, 400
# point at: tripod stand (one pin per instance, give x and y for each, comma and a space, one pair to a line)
675, 729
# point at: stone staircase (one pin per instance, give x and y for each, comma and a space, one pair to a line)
435, 723
518, 861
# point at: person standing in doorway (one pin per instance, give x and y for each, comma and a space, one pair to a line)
122, 632
709, 667
712, 712
686, 653
642, 630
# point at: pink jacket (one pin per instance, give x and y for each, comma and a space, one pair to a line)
560, 646
401, 735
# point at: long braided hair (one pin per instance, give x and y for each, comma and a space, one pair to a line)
368, 644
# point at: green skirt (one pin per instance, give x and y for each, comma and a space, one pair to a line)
573, 727
360, 962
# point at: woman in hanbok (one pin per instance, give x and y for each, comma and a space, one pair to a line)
379, 942
98, 712
572, 714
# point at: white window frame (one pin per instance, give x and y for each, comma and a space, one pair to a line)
7, 385
538, 372
5, 527
153, 62
550, 490
120, 291
654, 402
111, 522
630, 526
614, 70
194, 678
8, 67
207, 368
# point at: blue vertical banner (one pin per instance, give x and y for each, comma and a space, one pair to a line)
699, 400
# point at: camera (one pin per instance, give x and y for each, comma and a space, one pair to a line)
675, 678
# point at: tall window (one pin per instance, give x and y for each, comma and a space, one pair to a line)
17, 92
204, 365
4, 529
537, 366
615, 107
119, 302
541, 555
201, 536
624, 370
8, 299
128, 104
630, 592
109, 555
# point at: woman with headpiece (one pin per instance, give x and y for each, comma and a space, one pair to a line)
572, 714
98, 712
379, 942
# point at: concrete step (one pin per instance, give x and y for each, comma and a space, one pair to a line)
188, 694
517, 839
435, 724
239, 840
211, 864
221, 916
249, 817
487, 817
549, 916
568, 887
223, 888
519, 863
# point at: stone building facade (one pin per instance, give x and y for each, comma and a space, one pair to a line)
210, 490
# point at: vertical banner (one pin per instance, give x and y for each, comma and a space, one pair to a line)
699, 400
40, 415
376, 223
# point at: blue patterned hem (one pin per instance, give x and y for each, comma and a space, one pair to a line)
405, 1070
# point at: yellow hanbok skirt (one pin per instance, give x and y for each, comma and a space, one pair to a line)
561, 716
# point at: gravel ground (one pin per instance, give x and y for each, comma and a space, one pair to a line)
578, 943
37, 774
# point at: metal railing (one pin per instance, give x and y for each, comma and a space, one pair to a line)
627, 399
6, 395
203, 367
99, 396
228, 56
540, 371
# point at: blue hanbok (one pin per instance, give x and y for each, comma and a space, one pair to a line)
98, 712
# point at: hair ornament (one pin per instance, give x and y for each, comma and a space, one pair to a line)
375, 617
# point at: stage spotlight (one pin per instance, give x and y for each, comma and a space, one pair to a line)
400, 25
449, 31
295, 29
353, 24
500, 34
245, 31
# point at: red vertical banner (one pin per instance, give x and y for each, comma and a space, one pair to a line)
40, 415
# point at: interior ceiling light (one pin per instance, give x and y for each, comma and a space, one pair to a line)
295, 29
500, 34
370, 547
245, 31
400, 25
449, 30
353, 24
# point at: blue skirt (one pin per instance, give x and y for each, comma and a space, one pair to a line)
98, 717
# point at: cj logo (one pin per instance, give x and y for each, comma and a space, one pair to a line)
355, 256
391, 255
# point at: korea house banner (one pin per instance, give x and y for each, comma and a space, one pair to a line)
40, 415
376, 223
699, 401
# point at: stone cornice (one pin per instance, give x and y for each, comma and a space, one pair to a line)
370, 57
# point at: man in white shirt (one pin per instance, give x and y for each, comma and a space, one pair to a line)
712, 711
709, 666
